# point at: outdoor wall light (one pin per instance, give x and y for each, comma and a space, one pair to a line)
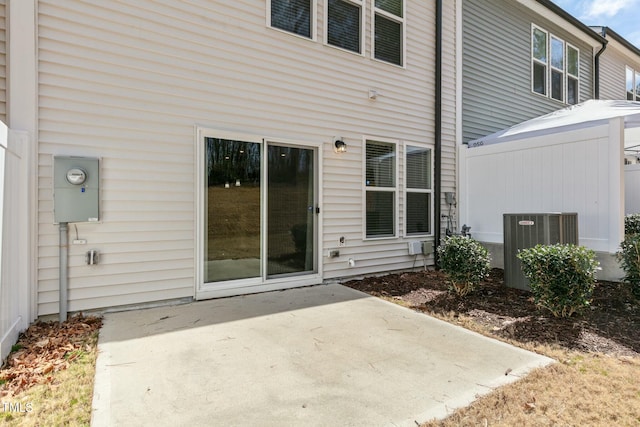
340, 146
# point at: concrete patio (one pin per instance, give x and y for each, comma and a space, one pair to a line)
319, 356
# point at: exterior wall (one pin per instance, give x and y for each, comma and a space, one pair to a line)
496, 67
3, 61
129, 81
613, 63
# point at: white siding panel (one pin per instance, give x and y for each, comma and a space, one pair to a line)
3, 61
128, 82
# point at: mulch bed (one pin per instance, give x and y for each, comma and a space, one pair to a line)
611, 325
45, 348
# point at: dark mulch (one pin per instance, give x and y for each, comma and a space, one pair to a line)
611, 325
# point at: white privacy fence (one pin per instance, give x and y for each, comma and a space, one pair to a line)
14, 292
632, 189
579, 170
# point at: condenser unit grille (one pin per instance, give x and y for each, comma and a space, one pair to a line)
522, 231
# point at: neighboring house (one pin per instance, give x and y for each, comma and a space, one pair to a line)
215, 124
619, 68
619, 71
521, 59
525, 59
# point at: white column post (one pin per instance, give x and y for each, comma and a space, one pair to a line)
22, 115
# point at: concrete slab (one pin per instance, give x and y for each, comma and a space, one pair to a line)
324, 355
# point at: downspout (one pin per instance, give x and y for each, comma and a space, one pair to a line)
438, 131
596, 65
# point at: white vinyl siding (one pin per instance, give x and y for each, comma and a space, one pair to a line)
129, 82
3, 62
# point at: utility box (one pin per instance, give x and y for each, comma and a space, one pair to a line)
522, 231
76, 189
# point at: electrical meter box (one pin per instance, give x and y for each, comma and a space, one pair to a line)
76, 189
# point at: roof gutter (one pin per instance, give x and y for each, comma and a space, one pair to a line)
437, 167
596, 65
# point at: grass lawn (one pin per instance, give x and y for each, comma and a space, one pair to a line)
49, 381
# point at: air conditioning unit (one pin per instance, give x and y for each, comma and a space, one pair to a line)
522, 231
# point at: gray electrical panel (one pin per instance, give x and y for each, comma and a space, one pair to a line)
522, 231
76, 189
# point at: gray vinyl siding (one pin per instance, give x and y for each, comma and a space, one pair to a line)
128, 82
496, 67
613, 63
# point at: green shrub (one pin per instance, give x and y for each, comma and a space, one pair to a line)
629, 258
562, 277
632, 224
465, 262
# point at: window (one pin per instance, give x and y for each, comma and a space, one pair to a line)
633, 85
539, 55
388, 31
294, 16
573, 71
418, 190
344, 24
555, 67
381, 189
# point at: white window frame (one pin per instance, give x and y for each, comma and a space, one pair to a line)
549, 68
362, 5
569, 75
418, 190
403, 36
628, 69
553, 69
534, 60
313, 20
394, 189
635, 83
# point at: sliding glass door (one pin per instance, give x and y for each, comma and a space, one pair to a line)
260, 210
232, 217
290, 210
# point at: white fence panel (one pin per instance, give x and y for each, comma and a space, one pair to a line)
14, 295
566, 172
632, 189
